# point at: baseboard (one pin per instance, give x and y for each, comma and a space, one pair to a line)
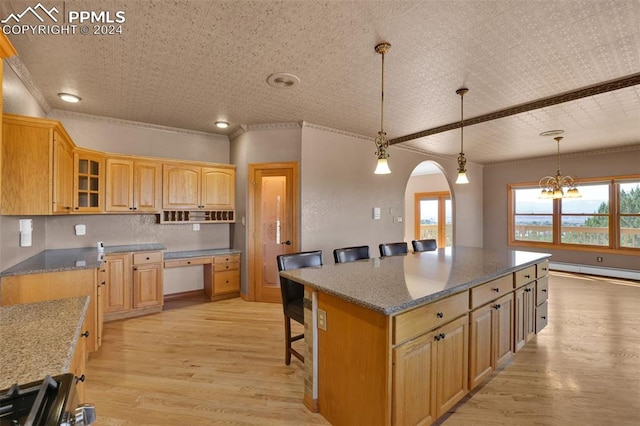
183, 294
596, 270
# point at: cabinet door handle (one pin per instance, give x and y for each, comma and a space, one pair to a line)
135, 268
147, 258
440, 315
442, 335
544, 317
85, 334
496, 306
130, 208
544, 290
103, 283
437, 337
80, 379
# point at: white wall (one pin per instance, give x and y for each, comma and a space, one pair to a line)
435, 182
339, 191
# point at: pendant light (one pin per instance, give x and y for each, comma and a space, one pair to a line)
558, 186
382, 168
462, 161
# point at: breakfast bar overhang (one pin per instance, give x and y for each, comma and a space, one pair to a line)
400, 340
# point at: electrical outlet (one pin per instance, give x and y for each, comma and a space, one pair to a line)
599, 259
196, 226
322, 319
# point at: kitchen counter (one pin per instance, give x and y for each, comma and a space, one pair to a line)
392, 284
39, 338
172, 255
71, 259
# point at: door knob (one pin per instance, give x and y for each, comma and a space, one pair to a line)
287, 243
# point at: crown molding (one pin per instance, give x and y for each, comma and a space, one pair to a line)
336, 131
244, 128
581, 154
58, 113
25, 77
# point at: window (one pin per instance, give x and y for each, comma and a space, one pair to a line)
433, 217
629, 214
606, 216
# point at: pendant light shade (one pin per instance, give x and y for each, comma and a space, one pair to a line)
462, 161
382, 168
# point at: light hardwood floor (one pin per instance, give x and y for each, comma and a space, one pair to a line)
222, 363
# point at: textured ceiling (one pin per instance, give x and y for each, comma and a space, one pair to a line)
186, 64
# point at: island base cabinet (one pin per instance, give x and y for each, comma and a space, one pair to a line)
452, 363
491, 338
525, 311
430, 374
414, 401
541, 317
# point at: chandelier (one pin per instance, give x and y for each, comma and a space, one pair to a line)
462, 161
381, 141
558, 186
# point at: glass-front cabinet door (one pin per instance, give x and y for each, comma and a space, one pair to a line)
88, 181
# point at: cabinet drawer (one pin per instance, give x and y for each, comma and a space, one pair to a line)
492, 290
225, 259
187, 262
226, 282
542, 290
425, 318
524, 276
542, 269
541, 317
151, 257
228, 266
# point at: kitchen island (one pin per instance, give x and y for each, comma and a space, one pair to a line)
400, 340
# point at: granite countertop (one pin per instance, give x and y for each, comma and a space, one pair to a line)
393, 284
173, 255
39, 338
70, 259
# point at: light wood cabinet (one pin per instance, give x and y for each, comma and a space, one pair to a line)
222, 277
88, 184
62, 173
147, 280
133, 284
132, 186
525, 312
78, 365
192, 187
30, 288
491, 338
414, 381
36, 168
117, 290
430, 372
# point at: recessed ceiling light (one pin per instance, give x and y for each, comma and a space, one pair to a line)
222, 124
282, 80
552, 133
68, 97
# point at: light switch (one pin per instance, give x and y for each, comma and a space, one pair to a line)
376, 213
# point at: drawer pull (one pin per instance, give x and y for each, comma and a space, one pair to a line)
440, 315
80, 379
527, 276
188, 262
103, 283
544, 317
496, 289
544, 290
85, 334
147, 258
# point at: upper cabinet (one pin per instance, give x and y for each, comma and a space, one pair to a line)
132, 185
36, 167
44, 173
192, 187
88, 183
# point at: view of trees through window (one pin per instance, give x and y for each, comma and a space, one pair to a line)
583, 221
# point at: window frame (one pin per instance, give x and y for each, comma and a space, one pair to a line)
614, 217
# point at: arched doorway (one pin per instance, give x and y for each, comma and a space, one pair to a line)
428, 208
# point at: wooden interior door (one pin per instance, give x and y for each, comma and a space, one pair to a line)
273, 225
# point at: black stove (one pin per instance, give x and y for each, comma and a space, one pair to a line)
47, 402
